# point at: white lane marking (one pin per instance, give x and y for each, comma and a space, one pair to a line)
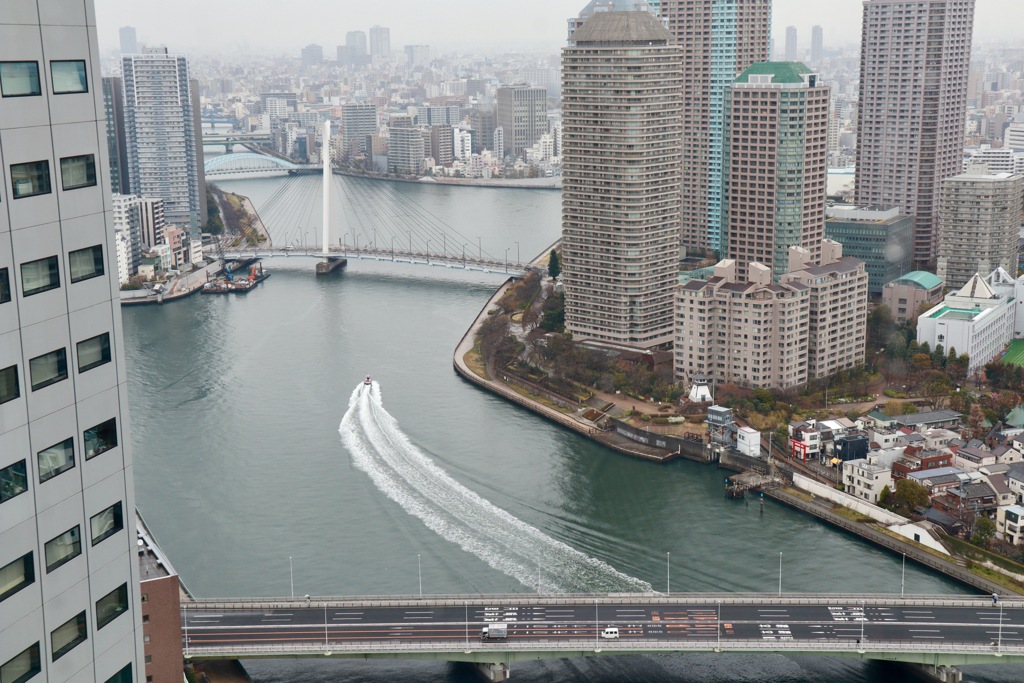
414, 611
925, 630
932, 637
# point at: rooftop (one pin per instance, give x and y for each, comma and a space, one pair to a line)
781, 72
927, 417
622, 28
921, 278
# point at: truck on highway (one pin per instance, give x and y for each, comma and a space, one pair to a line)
494, 631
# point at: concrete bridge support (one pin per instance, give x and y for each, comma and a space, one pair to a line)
935, 674
494, 672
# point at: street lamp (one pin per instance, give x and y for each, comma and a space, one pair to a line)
518, 260
392, 247
291, 575
344, 242
506, 259
903, 578
419, 572
428, 250
780, 574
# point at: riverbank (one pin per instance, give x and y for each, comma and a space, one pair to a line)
554, 183
469, 366
178, 288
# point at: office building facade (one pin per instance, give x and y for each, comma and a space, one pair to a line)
380, 42
117, 143
621, 153
69, 575
161, 136
128, 40
719, 40
522, 113
776, 160
912, 106
881, 237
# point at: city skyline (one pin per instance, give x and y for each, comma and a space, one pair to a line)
533, 24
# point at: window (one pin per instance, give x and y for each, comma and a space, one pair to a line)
65, 637
76, 172
31, 179
40, 276
68, 76
5, 286
48, 369
86, 263
56, 459
9, 389
122, 676
22, 666
64, 548
101, 438
111, 605
93, 352
107, 523
13, 481
19, 79
16, 575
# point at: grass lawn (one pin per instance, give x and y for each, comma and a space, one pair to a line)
1015, 354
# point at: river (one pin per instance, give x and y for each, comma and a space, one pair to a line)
240, 470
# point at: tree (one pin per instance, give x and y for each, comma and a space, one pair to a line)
896, 346
884, 497
909, 494
894, 408
554, 264
937, 386
881, 326
984, 532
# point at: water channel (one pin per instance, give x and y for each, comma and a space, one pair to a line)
236, 404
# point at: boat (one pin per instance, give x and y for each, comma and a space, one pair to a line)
368, 381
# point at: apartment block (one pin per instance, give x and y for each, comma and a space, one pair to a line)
69, 576
719, 40
838, 310
912, 107
775, 164
980, 224
358, 122
752, 333
620, 179
406, 150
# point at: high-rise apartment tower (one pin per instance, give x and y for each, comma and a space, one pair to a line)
910, 116
69, 572
719, 40
621, 149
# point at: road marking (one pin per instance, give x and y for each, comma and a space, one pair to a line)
924, 630
932, 637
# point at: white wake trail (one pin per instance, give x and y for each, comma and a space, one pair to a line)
410, 478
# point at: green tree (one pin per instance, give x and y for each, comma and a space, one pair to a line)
554, 264
884, 498
909, 494
896, 346
880, 326
984, 532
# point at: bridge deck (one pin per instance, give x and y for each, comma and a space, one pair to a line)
419, 258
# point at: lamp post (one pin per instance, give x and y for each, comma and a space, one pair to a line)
392, 247
903, 578
518, 260
999, 638
480, 248
444, 244
463, 255
780, 573
419, 573
291, 575
719, 625
506, 259
410, 243
344, 242
375, 239
668, 573
326, 637
863, 618
597, 624
466, 605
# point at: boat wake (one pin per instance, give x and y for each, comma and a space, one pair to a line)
410, 478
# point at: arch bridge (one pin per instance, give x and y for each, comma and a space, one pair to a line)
250, 162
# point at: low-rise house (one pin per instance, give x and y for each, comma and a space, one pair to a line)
919, 461
866, 479
851, 446
936, 439
974, 498
972, 458
1010, 524
879, 420
1007, 455
995, 475
882, 437
1015, 481
944, 419
938, 480
950, 524
805, 440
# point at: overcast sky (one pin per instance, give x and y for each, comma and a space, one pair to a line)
285, 26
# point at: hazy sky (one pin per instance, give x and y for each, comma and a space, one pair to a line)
279, 25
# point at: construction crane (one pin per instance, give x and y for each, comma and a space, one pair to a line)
223, 259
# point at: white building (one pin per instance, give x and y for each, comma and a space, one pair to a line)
865, 479
128, 220
123, 245
975, 320
69, 573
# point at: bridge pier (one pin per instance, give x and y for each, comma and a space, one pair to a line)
330, 264
494, 672
935, 674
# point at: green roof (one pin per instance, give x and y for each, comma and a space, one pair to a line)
782, 72
921, 278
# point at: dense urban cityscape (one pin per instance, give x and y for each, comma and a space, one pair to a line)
685, 240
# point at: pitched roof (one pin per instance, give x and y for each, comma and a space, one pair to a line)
976, 288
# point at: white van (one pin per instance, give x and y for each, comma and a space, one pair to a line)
610, 633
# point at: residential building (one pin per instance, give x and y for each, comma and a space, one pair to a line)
837, 311
620, 178
522, 113
720, 39
752, 333
163, 160
405, 148
126, 220
123, 247
355, 43
312, 55
380, 42
865, 479
482, 121
817, 45
498, 142
880, 237
785, 157
442, 144
608, 6
160, 590
1013, 137
933, 419
976, 320
920, 462
1010, 524
907, 294
117, 143
805, 440
792, 53
69, 596
912, 107
358, 123
979, 225
128, 40
151, 221
417, 55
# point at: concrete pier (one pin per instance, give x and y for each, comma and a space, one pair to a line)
330, 264
494, 672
